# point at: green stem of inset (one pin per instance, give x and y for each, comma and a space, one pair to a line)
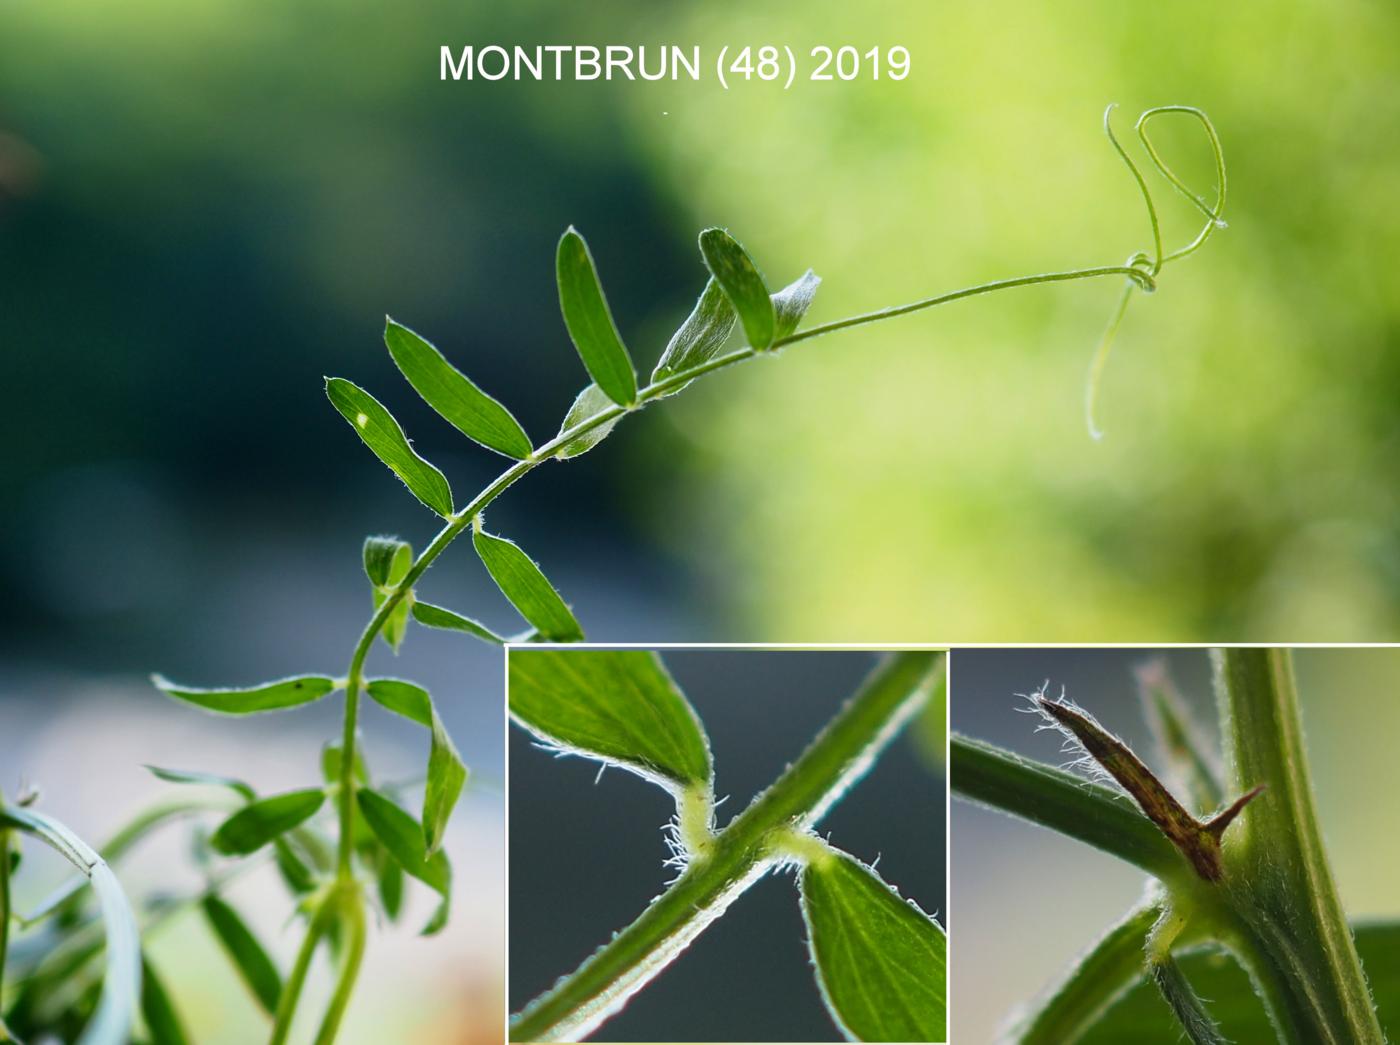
741, 854
1104, 818
1291, 908
1098, 979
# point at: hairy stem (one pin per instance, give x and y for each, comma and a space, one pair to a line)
1292, 911
741, 854
1098, 979
1104, 818
1185, 1004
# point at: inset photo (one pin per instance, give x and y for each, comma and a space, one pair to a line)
727, 844
1160, 846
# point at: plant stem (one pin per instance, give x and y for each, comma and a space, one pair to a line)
296, 979
1137, 275
1102, 817
353, 913
1185, 1004
1098, 979
1292, 910
742, 853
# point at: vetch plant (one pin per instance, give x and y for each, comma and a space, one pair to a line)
1235, 859
879, 959
346, 841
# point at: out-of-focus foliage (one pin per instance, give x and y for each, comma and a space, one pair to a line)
1247, 487
203, 210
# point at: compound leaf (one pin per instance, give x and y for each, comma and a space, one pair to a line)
453, 395
590, 323
382, 434
589, 403
620, 706
521, 581
258, 823
446, 773
333, 764
270, 696
792, 302
402, 836
735, 271
879, 959
254, 966
700, 337
430, 616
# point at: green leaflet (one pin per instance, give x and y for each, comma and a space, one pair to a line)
1142, 1016
735, 271
446, 773
258, 823
620, 706
792, 302
430, 616
700, 337
589, 403
446, 777
390, 882
382, 434
880, 960
298, 878
590, 323
254, 966
521, 581
333, 761
396, 626
403, 698
402, 836
387, 560
162, 1021
194, 776
270, 696
452, 394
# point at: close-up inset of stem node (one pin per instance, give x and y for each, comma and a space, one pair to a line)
1235, 860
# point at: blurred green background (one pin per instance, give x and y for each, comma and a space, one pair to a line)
205, 208
1029, 901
